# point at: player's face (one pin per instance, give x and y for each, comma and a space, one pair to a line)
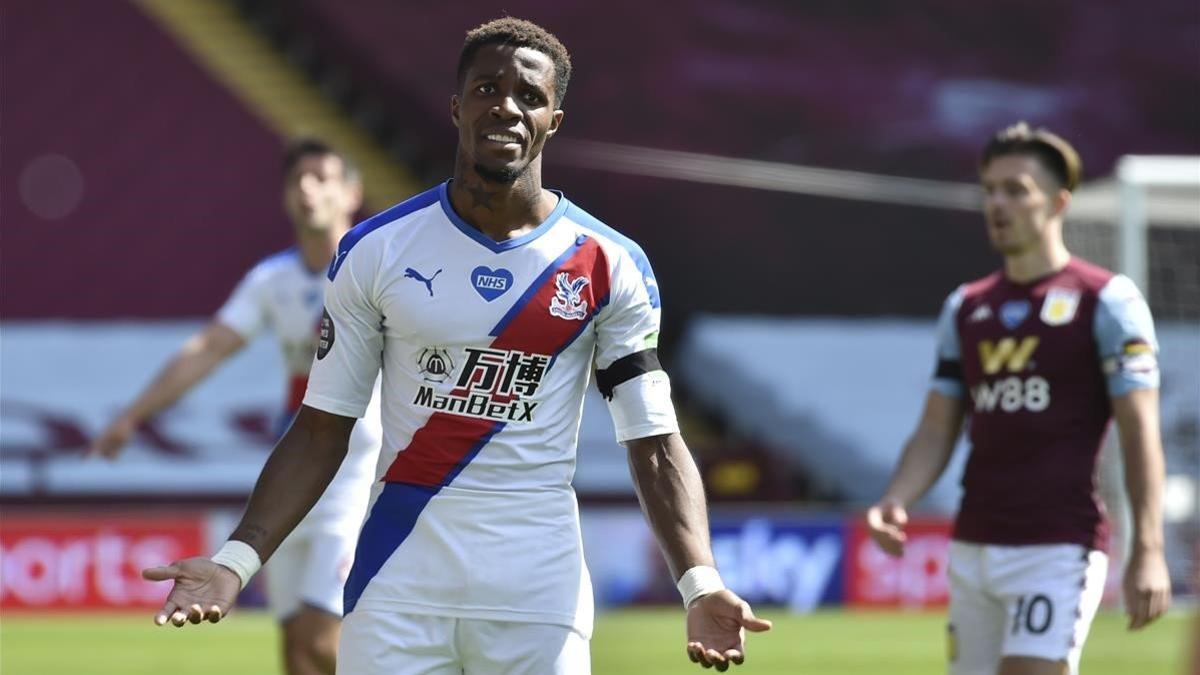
317, 195
1020, 201
505, 112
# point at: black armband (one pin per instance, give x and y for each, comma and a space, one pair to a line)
625, 369
948, 370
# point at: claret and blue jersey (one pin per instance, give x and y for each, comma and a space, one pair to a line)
1038, 364
486, 350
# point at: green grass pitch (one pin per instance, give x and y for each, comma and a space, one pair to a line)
638, 641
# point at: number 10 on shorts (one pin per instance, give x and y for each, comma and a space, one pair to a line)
1034, 614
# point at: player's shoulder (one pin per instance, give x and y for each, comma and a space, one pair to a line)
374, 230
1087, 275
981, 286
275, 265
1120, 297
618, 246
613, 240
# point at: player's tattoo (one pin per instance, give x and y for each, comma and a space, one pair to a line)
250, 533
480, 198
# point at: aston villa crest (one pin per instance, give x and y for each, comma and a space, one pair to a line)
1059, 306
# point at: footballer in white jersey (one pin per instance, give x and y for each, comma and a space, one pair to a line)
283, 294
481, 406
486, 302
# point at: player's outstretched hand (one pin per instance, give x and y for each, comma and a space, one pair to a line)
716, 629
114, 437
1147, 586
203, 591
885, 522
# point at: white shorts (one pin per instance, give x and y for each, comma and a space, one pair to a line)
309, 568
389, 643
1036, 601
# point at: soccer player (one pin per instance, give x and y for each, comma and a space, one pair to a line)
304, 583
1040, 355
486, 301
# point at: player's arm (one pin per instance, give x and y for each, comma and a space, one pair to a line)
1125, 338
203, 352
930, 447
922, 462
671, 493
1147, 581
295, 476
665, 476
304, 461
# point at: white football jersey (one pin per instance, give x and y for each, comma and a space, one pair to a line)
281, 294
486, 349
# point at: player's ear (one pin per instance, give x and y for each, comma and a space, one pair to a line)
555, 122
1062, 199
455, 107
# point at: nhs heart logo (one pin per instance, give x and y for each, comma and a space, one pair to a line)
491, 283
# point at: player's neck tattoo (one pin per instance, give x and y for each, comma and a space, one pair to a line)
498, 210
480, 197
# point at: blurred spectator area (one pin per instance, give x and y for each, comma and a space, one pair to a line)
907, 89
125, 139
135, 185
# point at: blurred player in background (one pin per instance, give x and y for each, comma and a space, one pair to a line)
284, 292
486, 301
1040, 355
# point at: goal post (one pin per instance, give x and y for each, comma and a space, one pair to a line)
1139, 177
1145, 223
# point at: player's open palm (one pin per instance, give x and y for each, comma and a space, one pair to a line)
716, 629
203, 591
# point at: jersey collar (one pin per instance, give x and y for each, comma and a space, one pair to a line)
488, 242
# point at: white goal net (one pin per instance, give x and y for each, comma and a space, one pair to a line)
1145, 223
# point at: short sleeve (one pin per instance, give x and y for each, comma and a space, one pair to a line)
245, 310
948, 374
1125, 338
350, 346
628, 371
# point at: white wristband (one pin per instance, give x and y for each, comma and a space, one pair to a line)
698, 582
239, 557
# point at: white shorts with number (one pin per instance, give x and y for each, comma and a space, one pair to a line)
1036, 601
389, 643
310, 568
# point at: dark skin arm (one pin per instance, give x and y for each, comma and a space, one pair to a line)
295, 476
672, 497
671, 493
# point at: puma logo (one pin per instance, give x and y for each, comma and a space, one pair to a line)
410, 273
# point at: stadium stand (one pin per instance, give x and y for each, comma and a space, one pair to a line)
887, 90
162, 159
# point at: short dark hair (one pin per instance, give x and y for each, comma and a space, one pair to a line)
518, 33
1057, 155
299, 148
